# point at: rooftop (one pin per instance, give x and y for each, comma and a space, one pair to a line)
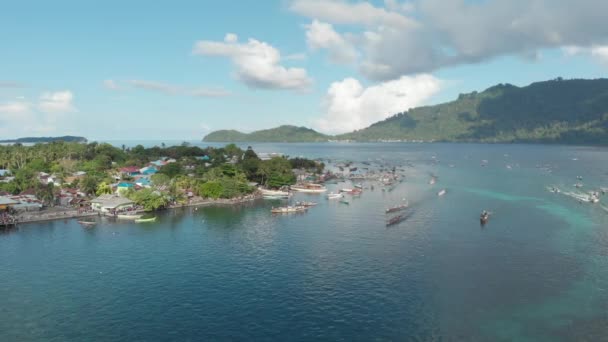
111, 201
4, 200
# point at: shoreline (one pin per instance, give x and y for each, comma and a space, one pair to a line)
54, 215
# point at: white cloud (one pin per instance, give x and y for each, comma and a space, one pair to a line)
402, 38
31, 117
56, 102
342, 12
257, 63
350, 106
231, 38
599, 52
323, 36
14, 107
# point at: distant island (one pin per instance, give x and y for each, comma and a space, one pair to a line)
284, 133
34, 140
556, 111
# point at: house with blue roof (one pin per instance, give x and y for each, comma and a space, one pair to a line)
144, 182
123, 187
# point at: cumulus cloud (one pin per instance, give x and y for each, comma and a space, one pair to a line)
258, 64
349, 105
323, 36
14, 107
342, 12
599, 52
36, 117
404, 39
56, 102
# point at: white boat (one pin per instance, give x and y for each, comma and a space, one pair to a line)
346, 190
332, 195
441, 193
274, 194
288, 209
309, 188
128, 216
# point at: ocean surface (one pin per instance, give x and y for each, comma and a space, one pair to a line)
538, 271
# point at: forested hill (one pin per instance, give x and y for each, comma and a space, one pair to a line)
556, 111
278, 134
30, 140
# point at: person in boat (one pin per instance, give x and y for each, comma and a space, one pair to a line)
484, 216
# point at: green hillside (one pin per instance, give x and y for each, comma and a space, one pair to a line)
31, 140
557, 111
279, 134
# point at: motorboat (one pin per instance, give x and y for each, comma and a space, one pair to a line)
397, 219
397, 208
288, 209
87, 223
484, 217
274, 194
306, 204
128, 216
332, 195
441, 192
146, 220
309, 188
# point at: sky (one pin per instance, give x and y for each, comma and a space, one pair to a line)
181, 69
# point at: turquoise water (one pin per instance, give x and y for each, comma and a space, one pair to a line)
537, 272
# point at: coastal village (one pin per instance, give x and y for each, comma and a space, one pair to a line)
130, 182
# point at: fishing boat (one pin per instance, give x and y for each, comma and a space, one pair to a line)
484, 217
128, 216
309, 188
274, 194
397, 208
288, 209
396, 219
87, 223
441, 192
306, 204
332, 195
146, 220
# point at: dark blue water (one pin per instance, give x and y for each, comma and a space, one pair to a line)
537, 272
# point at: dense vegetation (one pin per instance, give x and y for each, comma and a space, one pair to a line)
557, 111
278, 134
226, 172
34, 140
564, 111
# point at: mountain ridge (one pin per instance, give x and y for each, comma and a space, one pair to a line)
556, 111
28, 140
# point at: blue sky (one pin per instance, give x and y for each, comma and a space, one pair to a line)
178, 69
